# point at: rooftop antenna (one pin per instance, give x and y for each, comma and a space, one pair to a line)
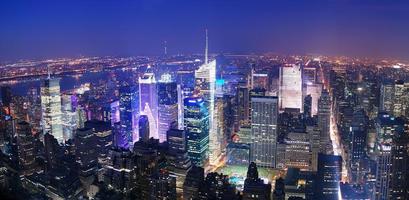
166, 48
207, 49
48, 72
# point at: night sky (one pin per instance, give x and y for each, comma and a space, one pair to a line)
47, 29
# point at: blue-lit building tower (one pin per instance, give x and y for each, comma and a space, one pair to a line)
128, 110
167, 105
143, 125
196, 122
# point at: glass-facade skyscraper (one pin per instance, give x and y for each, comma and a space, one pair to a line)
51, 109
196, 118
168, 105
264, 113
148, 100
291, 94
128, 109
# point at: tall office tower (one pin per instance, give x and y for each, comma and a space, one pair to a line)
179, 162
51, 109
315, 91
359, 133
197, 130
328, 177
104, 140
168, 105
258, 92
324, 119
86, 156
217, 141
69, 116
400, 165
387, 97
291, 94
143, 125
51, 149
307, 106
298, 153
34, 113
243, 105
128, 111
148, 100
314, 135
264, 130
193, 182
119, 139
400, 98
386, 128
150, 160
254, 187
180, 107
26, 149
81, 116
115, 113
205, 86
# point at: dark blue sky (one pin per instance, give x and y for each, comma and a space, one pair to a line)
46, 29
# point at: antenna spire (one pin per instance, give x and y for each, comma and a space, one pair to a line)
207, 49
166, 48
48, 72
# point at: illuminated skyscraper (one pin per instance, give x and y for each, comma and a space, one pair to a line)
387, 96
69, 116
148, 100
394, 98
86, 156
168, 105
324, 118
400, 98
26, 148
143, 125
205, 86
243, 105
387, 127
359, 133
128, 109
177, 156
315, 91
400, 165
264, 130
307, 105
290, 94
180, 106
197, 130
115, 114
51, 109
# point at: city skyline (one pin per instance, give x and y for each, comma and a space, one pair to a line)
108, 107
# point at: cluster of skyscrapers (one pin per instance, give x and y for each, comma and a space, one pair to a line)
301, 128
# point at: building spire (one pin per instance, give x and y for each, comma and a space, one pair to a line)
48, 72
166, 48
207, 49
